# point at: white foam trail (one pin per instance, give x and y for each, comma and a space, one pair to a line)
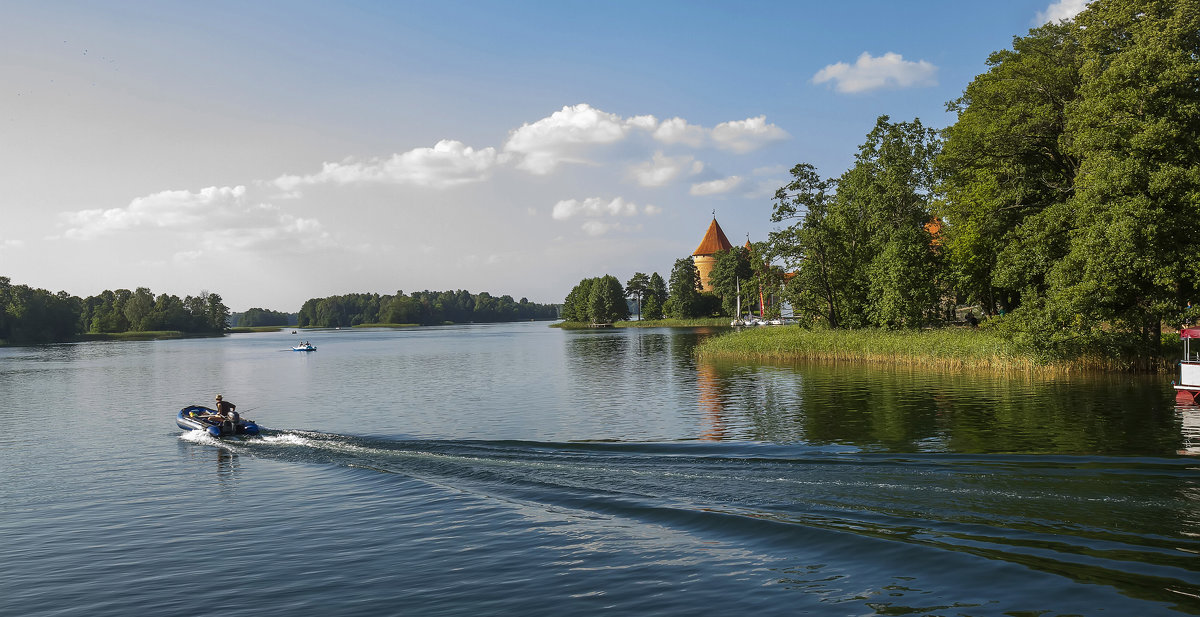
199, 437
290, 439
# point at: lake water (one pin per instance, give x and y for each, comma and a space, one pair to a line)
516, 469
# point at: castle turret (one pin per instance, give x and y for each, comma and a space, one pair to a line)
705, 255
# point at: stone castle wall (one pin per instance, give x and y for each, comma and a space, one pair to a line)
704, 263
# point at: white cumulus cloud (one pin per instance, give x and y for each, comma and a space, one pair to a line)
448, 163
561, 137
716, 187
678, 131
1060, 10
593, 207
662, 169
869, 73
162, 210
220, 214
568, 136
742, 136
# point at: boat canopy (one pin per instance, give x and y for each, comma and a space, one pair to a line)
1189, 333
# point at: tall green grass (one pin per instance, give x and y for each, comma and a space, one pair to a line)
946, 348
648, 323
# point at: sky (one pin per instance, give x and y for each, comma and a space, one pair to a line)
273, 152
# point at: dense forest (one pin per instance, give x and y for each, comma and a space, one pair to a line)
29, 315
1061, 198
260, 317
1059, 203
419, 307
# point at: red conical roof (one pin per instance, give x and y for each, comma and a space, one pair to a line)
714, 241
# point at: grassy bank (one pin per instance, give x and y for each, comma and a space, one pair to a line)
948, 348
648, 323
148, 335
252, 329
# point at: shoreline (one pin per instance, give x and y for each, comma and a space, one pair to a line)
943, 348
706, 322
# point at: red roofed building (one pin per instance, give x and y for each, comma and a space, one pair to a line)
705, 255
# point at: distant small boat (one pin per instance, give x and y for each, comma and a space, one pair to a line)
200, 418
305, 346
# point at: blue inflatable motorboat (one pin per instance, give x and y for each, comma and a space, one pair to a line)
200, 418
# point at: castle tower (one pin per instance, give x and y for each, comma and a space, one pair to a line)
705, 255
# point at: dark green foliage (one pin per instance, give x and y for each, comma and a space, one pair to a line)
658, 288
637, 288
419, 307
30, 315
652, 308
732, 272
683, 301
1005, 167
1072, 179
257, 317
606, 302
576, 307
1066, 195
861, 249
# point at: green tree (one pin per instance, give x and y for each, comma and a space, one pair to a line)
891, 182
216, 314
864, 254
636, 289
684, 288
606, 302
818, 246
576, 306
263, 317
138, 308
731, 272
1136, 130
1007, 169
658, 288
653, 309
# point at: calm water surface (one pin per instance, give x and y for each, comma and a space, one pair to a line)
519, 469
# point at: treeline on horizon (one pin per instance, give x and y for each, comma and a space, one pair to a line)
1062, 202
31, 315
421, 308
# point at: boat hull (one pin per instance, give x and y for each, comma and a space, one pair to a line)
191, 418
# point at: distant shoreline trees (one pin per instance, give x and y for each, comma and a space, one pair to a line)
419, 307
29, 315
32, 316
259, 317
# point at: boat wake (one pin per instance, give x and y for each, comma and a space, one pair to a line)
1130, 524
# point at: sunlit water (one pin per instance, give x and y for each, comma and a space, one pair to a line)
518, 469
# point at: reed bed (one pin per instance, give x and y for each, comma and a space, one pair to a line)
946, 348
648, 323
140, 335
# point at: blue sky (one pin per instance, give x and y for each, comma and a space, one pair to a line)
276, 151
